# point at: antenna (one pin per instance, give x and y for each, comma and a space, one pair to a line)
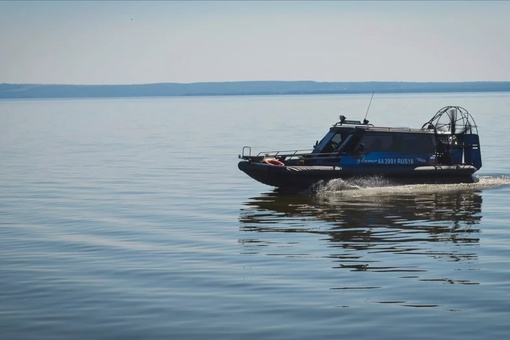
365, 121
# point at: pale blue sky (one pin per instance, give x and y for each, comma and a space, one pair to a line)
138, 42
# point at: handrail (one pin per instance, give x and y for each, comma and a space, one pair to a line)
285, 153
246, 147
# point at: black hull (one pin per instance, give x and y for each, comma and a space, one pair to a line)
302, 177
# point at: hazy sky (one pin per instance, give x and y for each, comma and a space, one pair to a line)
135, 42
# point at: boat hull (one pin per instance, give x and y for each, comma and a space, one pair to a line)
302, 177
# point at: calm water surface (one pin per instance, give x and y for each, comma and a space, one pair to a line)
128, 218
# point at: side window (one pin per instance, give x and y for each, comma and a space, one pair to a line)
398, 142
426, 144
377, 142
413, 143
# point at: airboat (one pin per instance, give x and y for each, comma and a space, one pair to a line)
446, 149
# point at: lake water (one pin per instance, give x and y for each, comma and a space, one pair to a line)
128, 219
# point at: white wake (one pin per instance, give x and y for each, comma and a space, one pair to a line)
380, 186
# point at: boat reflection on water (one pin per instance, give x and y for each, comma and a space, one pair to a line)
366, 226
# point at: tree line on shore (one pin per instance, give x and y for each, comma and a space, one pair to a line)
241, 88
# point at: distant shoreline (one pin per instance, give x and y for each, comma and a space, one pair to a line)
241, 88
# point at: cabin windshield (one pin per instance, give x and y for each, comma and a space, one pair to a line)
329, 143
347, 146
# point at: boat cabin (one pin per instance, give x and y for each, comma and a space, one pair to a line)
397, 146
371, 139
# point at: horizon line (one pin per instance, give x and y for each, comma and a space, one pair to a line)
264, 81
